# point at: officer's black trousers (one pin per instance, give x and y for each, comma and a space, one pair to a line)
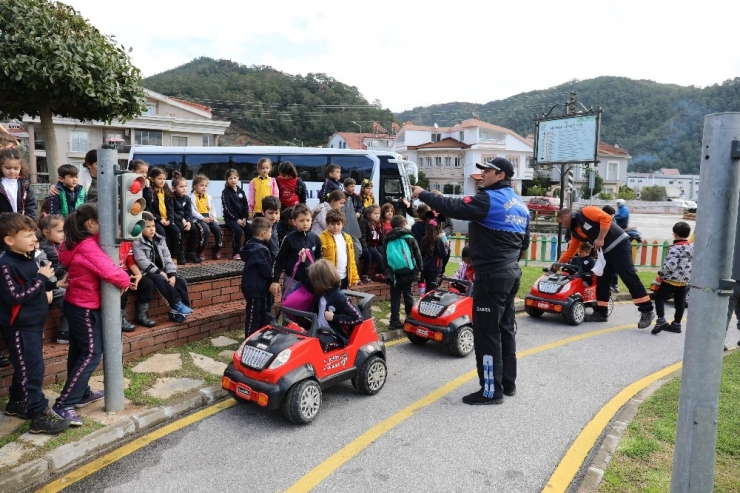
619, 261
494, 328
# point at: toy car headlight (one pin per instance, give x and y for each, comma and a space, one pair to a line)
281, 359
450, 310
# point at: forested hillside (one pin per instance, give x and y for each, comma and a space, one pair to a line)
267, 106
659, 124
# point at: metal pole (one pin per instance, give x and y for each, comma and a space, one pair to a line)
111, 295
696, 432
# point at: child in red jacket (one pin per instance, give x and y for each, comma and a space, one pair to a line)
87, 265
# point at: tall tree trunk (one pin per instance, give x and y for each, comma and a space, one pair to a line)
50, 142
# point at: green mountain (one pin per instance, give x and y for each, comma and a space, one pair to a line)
267, 106
660, 125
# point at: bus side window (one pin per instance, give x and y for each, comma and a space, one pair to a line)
310, 167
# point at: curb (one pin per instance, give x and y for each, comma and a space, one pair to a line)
613, 435
35, 473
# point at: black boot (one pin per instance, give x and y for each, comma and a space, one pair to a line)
181, 259
142, 317
126, 326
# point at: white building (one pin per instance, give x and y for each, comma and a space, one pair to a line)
448, 155
166, 122
676, 185
363, 141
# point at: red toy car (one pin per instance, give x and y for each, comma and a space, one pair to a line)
565, 293
446, 316
287, 366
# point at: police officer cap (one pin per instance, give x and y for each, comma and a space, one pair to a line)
499, 164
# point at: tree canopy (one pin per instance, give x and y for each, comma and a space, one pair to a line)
53, 62
268, 106
660, 125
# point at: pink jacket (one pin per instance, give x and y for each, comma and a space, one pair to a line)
87, 264
274, 191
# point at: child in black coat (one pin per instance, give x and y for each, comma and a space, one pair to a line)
183, 217
333, 308
256, 275
331, 183
236, 211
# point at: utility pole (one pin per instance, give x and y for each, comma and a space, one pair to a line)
696, 431
111, 295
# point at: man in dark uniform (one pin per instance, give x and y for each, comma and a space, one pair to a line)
596, 226
499, 232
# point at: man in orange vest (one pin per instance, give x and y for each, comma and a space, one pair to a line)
596, 226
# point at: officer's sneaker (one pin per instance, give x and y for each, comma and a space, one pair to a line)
510, 392
49, 423
659, 327
395, 325
596, 317
477, 399
16, 408
646, 318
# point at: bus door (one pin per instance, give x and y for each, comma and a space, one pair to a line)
394, 182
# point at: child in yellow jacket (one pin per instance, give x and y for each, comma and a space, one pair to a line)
338, 248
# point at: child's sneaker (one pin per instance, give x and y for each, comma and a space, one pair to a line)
94, 395
202, 254
16, 408
177, 317
4, 361
217, 252
194, 258
674, 327
67, 413
49, 423
380, 277
63, 338
365, 280
236, 257
395, 325
181, 259
182, 308
659, 327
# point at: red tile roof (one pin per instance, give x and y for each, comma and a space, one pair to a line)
612, 150
355, 140
446, 143
670, 171
194, 105
477, 176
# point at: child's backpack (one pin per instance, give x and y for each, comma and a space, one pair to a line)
400, 258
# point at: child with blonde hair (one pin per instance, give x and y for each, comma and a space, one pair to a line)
261, 186
205, 214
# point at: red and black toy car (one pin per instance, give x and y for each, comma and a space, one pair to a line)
446, 316
287, 367
567, 293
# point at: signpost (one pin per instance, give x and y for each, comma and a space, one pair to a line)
567, 140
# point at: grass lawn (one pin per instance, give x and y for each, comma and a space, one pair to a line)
644, 459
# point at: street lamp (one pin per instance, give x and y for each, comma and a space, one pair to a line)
298, 140
358, 126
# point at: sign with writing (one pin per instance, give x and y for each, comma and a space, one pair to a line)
569, 139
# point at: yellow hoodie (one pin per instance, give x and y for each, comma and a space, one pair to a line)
329, 252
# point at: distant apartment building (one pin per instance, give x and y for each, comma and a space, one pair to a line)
676, 185
448, 155
15, 128
357, 140
166, 122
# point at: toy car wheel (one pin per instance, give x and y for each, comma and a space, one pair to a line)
462, 343
575, 314
416, 339
302, 402
611, 307
533, 312
371, 377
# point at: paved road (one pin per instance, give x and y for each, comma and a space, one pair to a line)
444, 446
658, 226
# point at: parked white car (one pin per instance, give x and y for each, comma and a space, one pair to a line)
687, 205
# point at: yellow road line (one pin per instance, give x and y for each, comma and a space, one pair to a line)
576, 454
396, 342
135, 445
323, 470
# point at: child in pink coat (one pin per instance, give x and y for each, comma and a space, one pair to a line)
87, 265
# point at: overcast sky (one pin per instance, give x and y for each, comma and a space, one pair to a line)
417, 53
